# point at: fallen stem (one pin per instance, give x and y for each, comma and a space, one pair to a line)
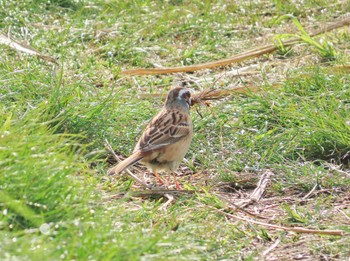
161, 192
311, 191
272, 247
235, 59
25, 48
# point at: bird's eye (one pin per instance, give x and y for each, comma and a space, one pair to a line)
186, 95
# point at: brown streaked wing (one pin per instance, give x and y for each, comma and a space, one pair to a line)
166, 128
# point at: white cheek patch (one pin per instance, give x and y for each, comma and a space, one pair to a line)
187, 106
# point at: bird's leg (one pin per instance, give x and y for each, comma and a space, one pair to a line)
158, 178
177, 185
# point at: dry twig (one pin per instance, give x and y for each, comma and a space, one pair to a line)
203, 98
170, 199
161, 193
311, 191
343, 213
272, 247
24, 48
235, 59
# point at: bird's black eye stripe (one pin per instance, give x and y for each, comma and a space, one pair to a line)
186, 95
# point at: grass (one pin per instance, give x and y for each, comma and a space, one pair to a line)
55, 199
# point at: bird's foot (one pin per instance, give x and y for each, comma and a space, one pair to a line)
161, 182
177, 185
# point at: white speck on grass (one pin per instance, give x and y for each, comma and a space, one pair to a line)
45, 229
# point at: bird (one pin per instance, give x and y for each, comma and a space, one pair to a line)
166, 139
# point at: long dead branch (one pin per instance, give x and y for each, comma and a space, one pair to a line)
235, 59
156, 193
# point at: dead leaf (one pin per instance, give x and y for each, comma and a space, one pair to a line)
24, 48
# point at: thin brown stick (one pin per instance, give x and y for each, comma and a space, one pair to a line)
166, 204
236, 207
154, 192
293, 229
331, 27
342, 212
203, 97
235, 59
161, 192
310, 192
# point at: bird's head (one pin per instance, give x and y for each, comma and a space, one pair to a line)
178, 97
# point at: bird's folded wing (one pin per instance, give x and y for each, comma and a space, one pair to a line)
164, 130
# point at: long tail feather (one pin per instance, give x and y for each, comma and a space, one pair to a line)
131, 160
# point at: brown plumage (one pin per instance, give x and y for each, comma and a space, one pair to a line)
166, 138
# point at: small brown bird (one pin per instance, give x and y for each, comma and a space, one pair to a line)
166, 139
